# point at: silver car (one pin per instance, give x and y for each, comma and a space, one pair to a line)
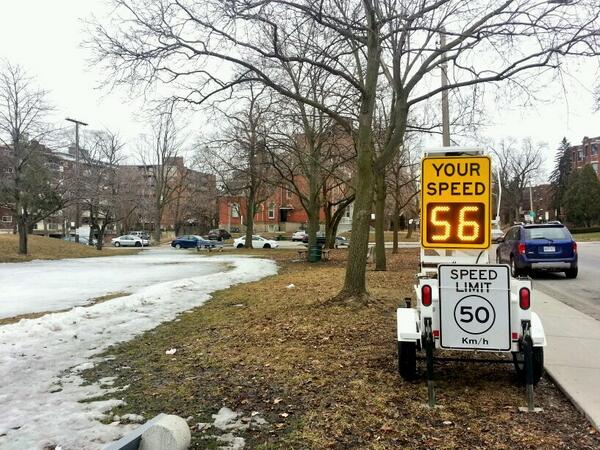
128, 240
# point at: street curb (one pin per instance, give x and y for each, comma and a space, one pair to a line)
575, 403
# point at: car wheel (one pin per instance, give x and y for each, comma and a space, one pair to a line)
240, 246
407, 360
117, 244
515, 272
267, 246
177, 246
538, 364
571, 273
138, 244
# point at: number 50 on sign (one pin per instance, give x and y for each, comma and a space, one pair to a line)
455, 202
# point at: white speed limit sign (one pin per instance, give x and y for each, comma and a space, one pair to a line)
474, 307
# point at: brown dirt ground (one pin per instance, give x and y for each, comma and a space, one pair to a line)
324, 375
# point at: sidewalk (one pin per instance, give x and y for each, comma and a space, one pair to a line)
572, 356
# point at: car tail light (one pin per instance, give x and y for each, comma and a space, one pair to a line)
524, 298
521, 248
574, 247
426, 295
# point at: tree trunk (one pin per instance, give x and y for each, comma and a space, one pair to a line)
157, 219
355, 285
22, 228
100, 241
250, 211
313, 221
380, 261
396, 227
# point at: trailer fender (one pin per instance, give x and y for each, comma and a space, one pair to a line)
408, 325
537, 331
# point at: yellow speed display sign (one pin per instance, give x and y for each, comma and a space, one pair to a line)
456, 202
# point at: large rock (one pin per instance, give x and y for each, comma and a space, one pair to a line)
168, 433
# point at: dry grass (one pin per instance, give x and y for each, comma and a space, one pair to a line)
324, 375
41, 247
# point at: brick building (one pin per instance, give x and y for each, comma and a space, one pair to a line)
586, 153
281, 211
193, 203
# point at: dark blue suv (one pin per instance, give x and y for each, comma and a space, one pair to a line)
547, 247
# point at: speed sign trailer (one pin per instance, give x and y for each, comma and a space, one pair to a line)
464, 303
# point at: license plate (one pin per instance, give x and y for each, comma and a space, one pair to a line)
549, 249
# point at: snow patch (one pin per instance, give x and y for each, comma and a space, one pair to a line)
43, 397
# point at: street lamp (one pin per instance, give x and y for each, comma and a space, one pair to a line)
77, 205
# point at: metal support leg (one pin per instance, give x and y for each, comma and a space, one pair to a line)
528, 353
429, 345
407, 301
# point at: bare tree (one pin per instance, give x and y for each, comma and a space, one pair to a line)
238, 155
402, 187
162, 164
29, 186
519, 165
105, 188
366, 45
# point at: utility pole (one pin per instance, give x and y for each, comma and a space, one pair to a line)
445, 106
77, 202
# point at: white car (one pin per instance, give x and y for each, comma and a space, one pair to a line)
497, 233
257, 242
298, 235
128, 240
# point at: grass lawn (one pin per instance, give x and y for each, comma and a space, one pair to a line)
324, 375
587, 236
41, 247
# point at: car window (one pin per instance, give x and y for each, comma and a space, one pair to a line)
256, 238
546, 233
512, 234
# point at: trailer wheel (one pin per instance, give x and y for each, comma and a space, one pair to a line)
538, 364
407, 360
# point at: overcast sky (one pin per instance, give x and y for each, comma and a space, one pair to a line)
45, 37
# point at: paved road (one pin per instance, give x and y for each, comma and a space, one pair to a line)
583, 293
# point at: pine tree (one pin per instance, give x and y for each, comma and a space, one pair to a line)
560, 176
582, 199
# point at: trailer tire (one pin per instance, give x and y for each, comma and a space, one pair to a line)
407, 360
538, 364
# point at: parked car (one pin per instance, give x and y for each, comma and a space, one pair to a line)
141, 234
192, 241
298, 235
547, 247
341, 241
321, 238
219, 234
129, 240
497, 232
257, 242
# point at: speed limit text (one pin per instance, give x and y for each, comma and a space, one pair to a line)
473, 280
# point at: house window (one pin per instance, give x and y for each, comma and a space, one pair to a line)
6, 219
288, 192
271, 210
594, 149
8, 170
235, 210
580, 155
53, 226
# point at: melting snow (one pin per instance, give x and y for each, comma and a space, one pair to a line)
41, 392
